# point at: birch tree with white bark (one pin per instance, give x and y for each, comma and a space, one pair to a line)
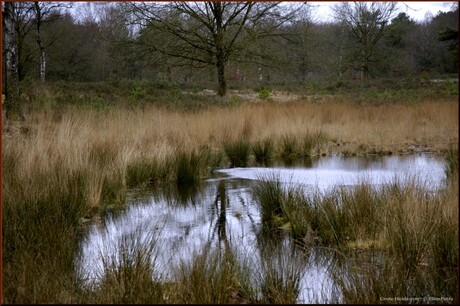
12, 103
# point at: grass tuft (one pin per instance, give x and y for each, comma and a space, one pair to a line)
211, 277
238, 152
263, 151
312, 143
131, 276
451, 169
189, 167
143, 172
268, 195
289, 147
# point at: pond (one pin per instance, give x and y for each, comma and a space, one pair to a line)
221, 212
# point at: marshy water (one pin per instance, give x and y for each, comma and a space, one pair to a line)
220, 213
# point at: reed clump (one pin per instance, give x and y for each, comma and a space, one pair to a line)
144, 172
451, 168
229, 276
40, 235
210, 278
411, 231
280, 277
189, 167
289, 147
131, 276
268, 195
263, 151
238, 152
312, 143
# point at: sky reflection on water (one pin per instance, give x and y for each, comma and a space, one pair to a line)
180, 223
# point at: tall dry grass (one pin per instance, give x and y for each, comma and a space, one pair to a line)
398, 240
106, 144
421, 262
129, 134
62, 166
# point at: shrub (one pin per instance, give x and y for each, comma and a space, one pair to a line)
264, 93
138, 93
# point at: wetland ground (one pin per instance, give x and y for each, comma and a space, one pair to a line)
82, 147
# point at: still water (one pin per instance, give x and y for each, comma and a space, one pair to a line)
221, 213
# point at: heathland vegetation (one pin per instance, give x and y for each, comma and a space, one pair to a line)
82, 148
112, 113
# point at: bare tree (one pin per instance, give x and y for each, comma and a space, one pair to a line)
41, 11
22, 18
300, 43
13, 110
366, 22
205, 33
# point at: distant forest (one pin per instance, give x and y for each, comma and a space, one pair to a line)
179, 43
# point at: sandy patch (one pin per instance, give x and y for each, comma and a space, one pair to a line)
276, 95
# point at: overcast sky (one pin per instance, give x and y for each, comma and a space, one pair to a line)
323, 13
416, 10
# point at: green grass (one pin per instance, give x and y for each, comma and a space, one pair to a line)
263, 151
292, 148
238, 152
225, 276
143, 172
280, 277
114, 187
289, 147
39, 243
268, 194
264, 93
189, 167
210, 278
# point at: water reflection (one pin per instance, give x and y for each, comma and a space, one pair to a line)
294, 162
328, 173
185, 194
220, 210
219, 213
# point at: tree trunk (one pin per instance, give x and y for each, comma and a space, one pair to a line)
42, 66
12, 105
259, 66
220, 55
259, 70
364, 66
221, 77
38, 17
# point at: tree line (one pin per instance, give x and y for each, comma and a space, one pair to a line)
221, 42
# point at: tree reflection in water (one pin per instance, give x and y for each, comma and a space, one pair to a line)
220, 209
